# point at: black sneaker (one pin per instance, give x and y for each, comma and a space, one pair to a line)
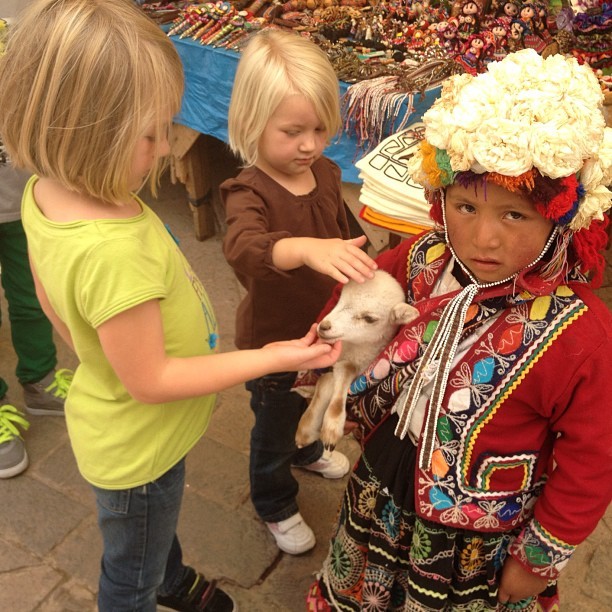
198, 595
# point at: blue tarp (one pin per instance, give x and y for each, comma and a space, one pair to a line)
209, 75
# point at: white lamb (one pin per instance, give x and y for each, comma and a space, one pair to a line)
366, 317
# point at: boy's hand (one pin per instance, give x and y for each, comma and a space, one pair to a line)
307, 353
343, 260
517, 583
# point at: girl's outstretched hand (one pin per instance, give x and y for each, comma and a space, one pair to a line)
307, 353
517, 583
343, 260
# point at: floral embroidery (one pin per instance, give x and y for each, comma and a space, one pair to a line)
427, 269
462, 378
375, 597
367, 501
537, 548
340, 561
390, 517
471, 556
421, 544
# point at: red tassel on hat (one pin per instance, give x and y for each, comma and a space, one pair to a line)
561, 203
588, 244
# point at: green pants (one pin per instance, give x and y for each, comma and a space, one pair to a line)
31, 331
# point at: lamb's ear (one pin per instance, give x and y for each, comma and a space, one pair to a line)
403, 313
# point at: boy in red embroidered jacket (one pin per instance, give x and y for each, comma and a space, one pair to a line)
487, 422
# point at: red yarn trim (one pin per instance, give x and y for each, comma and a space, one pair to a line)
315, 601
435, 212
588, 244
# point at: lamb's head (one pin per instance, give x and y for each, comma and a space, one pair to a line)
367, 313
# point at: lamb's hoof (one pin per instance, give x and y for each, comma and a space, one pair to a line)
303, 440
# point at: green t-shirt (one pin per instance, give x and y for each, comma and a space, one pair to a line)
92, 271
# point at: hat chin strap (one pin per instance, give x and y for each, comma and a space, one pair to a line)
439, 355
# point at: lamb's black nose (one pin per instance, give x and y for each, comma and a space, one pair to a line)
324, 325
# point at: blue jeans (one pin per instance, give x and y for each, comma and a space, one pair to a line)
273, 451
142, 554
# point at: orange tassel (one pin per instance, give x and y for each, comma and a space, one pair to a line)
514, 183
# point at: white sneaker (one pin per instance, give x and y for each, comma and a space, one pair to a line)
293, 535
332, 464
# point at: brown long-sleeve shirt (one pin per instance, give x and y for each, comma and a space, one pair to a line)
279, 305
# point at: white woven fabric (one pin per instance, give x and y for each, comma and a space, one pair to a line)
387, 187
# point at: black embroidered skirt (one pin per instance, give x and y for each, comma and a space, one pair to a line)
383, 557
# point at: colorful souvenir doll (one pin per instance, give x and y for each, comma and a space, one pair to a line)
508, 11
472, 58
469, 20
515, 36
499, 49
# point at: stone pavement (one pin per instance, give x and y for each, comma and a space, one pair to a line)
49, 543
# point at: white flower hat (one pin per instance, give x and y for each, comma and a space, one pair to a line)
526, 113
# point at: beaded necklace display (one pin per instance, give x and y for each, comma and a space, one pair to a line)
438, 358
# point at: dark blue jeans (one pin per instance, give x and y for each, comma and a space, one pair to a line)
273, 451
142, 554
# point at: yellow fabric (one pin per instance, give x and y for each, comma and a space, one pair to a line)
92, 271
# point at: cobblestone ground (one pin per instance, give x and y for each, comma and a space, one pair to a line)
49, 544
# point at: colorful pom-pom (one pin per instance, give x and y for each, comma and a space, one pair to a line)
430, 166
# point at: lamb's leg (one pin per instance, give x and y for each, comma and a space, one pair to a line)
310, 423
335, 416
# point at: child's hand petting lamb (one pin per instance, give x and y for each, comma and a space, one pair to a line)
342, 260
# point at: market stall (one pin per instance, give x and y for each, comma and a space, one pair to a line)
390, 57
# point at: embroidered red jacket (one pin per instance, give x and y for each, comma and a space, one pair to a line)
524, 438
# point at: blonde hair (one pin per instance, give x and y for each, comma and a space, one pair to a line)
276, 64
82, 80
